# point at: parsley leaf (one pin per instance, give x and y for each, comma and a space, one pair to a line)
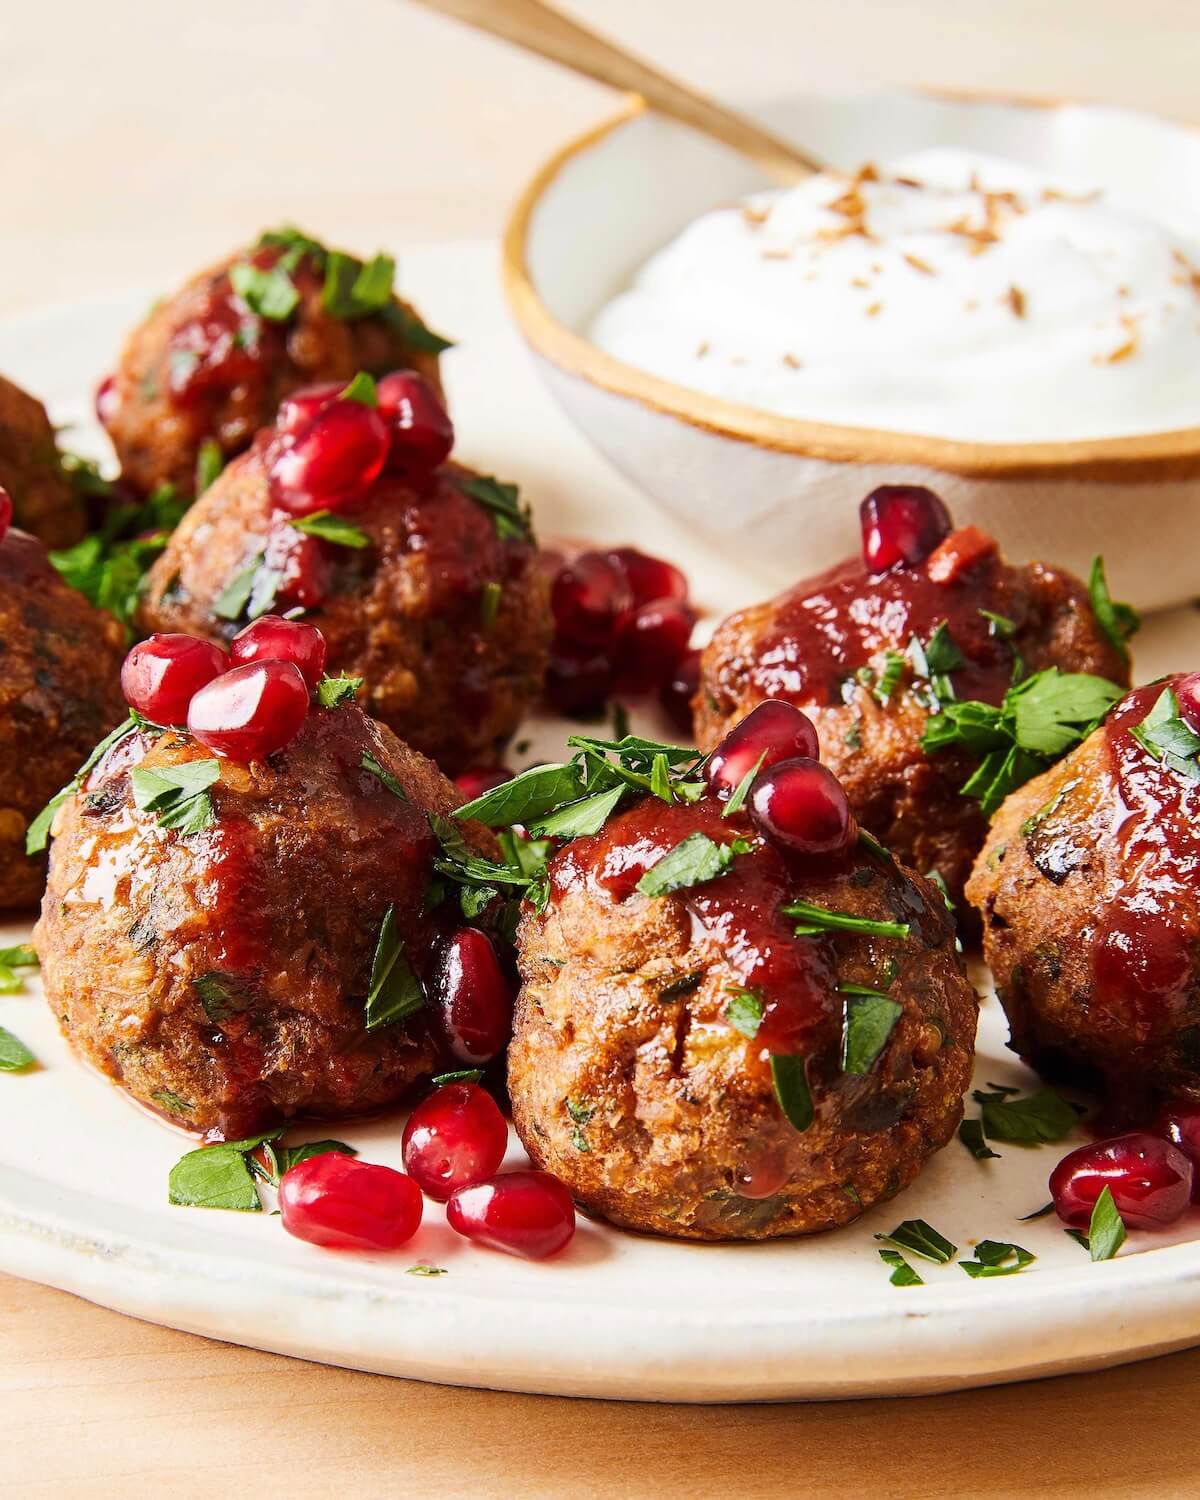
902, 1273
511, 518
395, 991
1042, 1118
813, 918
744, 1012
578, 819
354, 290
1165, 735
415, 333
1106, 1233
870, 1018
997, 1258
1119, 622
332, 692
369, 763
970, 1133
231, 602
270, 293
742, 790
489, 605
527, 797
210, 460
38, 831
361, 389
459, 1075
331, 528
178, 796
220, 995
693, 861
920, 1238
288, 1157
790, 1080
15, 1056
218, 1176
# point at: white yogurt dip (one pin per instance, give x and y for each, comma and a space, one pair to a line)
951, 294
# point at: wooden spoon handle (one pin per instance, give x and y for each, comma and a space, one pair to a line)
542, 29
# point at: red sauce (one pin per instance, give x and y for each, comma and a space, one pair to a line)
822, 631
738, 913
1150, 918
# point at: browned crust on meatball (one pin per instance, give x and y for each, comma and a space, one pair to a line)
44, 501
1041, 885
450, 683
646, 1103
60, 665
157, 441
282, 901
908, 799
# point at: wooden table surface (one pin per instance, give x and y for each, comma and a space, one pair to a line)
139, 139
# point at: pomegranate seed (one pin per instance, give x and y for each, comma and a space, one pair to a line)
762, 1175
108, 400
421, 430
523, 1213
302, 567
474, 997
800, 805
271, 638
1187, 691
328, 461
6, 512
591, 600
579, 680
1150, 1180
649, 577
251, 711
1180, 1124
454, 1138
679, 689
297, 410
345, 1204
161, 675
653, 641
901, 523
476, 780
775, 730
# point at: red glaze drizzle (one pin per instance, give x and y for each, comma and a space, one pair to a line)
822, 631
1149, 920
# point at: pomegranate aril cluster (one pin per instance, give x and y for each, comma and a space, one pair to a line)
245, 705
771, 758
622, 624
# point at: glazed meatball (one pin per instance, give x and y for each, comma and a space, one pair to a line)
652, 1032
1089, 891
443, 613
871, 655
44, 500
60, 664
214, 360
221, 976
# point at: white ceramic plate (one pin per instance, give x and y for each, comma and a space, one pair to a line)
83, 1173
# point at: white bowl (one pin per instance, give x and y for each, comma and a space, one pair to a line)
777, 495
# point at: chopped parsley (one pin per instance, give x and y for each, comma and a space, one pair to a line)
790, 1080
38, 832
416, 334
581, 1115
333, 692
742, 790
870, 1018
1040, 1119
1119, 622
15, 1056
902, 1273
812, 919
271, 293
997, 1258
19, 956
694, 861
354, 289
744, 1011
331, 528
361, 389
919, 1238
210, 460
578, 819
889, 679
423, 1270
178, 796
489, 606
288, 1157
220, 995
1106, 1232
218, 1176
512, 520
1039, 720
250, 592
395, 991
369, 763
460, 1075
1166, 736
970, 1133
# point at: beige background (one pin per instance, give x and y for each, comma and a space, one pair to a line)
138, 139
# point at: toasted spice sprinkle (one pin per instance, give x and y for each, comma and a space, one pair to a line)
1015, 298
874, 310
1188, 274
918, 264
756, 214
792, 362
1056, 195
859, 281
703, 349
780, 254
912, 182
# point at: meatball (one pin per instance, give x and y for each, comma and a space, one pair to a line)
214, 360
871, 657
44, 500
221, 976
1089, 891
444, 613
653, 1032
60, 664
